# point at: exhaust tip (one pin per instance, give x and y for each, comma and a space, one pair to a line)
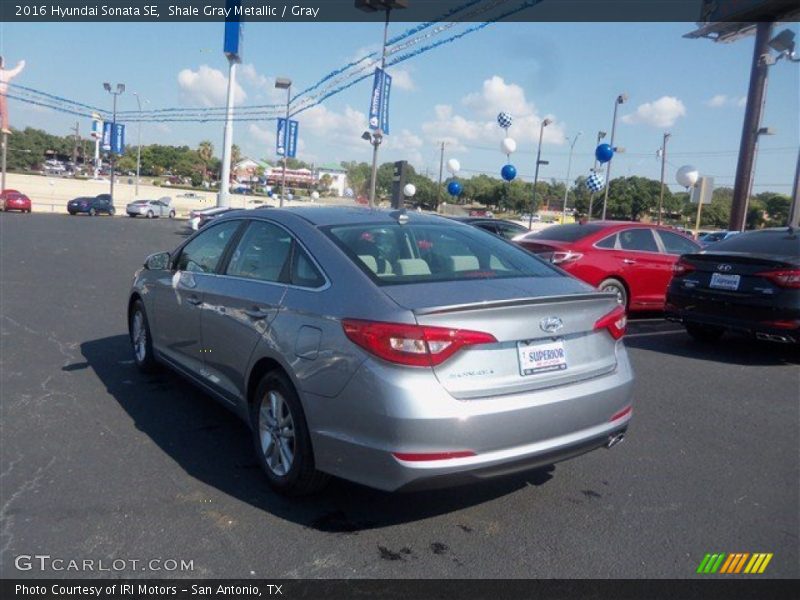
613, 440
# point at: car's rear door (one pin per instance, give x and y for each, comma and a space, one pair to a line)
644, 267
242, 303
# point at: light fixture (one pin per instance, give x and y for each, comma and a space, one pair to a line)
622, 98
120, 88
546, 122
766, 131
366, 136
107, 87
783, 43
601, 135
283, 83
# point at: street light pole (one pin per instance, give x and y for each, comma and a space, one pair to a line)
566, 183
223, 199
621, 99
138, 142
544, 124
663, 163
284, 83
600, 136
120, 89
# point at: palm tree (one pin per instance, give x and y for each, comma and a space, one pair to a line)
236, 156
206, 152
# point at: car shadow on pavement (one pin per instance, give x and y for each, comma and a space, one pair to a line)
671, 338
214, 446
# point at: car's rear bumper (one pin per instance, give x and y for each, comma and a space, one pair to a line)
755, 320
385, 411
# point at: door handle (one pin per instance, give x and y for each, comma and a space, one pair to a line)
629, 261
256, 313
193, 300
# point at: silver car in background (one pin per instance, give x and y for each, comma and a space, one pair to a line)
151, 208
394, 349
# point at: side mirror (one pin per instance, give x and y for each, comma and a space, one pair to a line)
157, 262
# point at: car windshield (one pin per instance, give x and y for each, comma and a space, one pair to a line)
423, 252
565, 233
782, 242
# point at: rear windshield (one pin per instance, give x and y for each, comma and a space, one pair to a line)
565, 233
779, 242
410, 253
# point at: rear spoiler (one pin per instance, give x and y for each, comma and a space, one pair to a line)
437, 310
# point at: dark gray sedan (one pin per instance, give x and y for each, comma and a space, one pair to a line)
392, 349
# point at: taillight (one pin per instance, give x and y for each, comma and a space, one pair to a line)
788, 278
412, 345
615, 322
783, 324
681, 268
565, 257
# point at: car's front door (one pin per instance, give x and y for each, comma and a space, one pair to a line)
242, 303
178, 301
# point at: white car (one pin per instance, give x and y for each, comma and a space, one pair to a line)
151, 208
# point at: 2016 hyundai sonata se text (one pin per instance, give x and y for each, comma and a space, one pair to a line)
391, 349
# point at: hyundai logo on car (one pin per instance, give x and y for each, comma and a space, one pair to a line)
551, 324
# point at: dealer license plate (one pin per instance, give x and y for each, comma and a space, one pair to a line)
541, 357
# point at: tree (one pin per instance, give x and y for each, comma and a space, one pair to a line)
205, 150
776, 207
236, 156
358, 175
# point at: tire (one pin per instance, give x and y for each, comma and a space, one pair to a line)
112, 211
704, 333
138, 325
286, 443
149, 214
131, 215
617, 287
171, 214
92, 212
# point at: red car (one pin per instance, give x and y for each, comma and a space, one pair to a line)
633, 260
14, 200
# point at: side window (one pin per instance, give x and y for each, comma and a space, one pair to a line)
676, 244
202, 254
262, 253
638, 240
304, 273
609, 242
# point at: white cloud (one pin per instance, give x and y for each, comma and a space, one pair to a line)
717, 101
480, 123
659, 113
721, 100
407, 144
402, 80
206, 87
249, 75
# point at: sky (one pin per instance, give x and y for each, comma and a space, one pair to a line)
568, 72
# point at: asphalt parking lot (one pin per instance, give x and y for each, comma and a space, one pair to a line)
101, 462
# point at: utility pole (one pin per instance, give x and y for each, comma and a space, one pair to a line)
3, 161
756, 95
76, 130
441, 168
566, 182
621, 99
600, 136
794, 208
663, 163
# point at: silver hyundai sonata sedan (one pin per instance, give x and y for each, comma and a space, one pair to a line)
394, 349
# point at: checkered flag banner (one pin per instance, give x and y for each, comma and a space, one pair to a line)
504, 120
595, 182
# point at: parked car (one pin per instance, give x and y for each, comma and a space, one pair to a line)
151, 208
505, 229
200, 218
715, 236
632, 260
91, 206
393, 349
14, 200
749, 284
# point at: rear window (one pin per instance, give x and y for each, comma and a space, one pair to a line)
398, 254
565, 233
778, 242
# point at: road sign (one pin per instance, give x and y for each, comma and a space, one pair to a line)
233, 31
106, 142
118, 138
379, 103
703, 190
280, 144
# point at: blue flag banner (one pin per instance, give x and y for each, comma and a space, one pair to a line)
106, 143
118, 138
233, 31
379, 103
284, 144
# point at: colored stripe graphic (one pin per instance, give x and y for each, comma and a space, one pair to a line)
734, 563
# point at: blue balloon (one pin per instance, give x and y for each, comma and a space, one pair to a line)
603, 153
454, 188
508, 172
269, 193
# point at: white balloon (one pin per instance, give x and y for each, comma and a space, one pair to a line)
453, 166
508, 146
687, 176
315, 195
409, 190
